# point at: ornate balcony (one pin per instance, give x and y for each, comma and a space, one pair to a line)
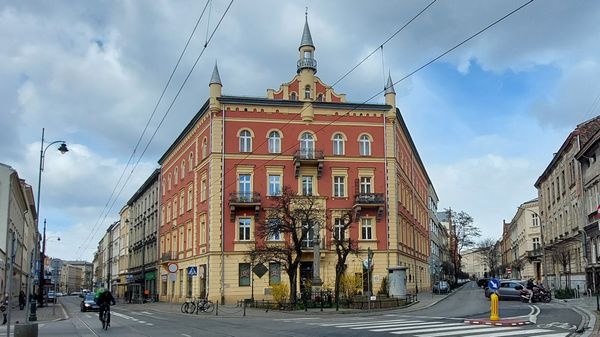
307, 63
534, 254
369, 200
243, 200
168, 256
309, 157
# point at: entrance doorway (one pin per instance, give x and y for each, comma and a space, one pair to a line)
306, 274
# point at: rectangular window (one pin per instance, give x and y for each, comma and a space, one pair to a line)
244, 187
274, 230
307, 185
181, 202
366, 229
189, 237
203, 190
244, 229
203, 229
190, 202
365, 185
274, 185
339, 186
274, 273
338, 229
308, 231
244, 274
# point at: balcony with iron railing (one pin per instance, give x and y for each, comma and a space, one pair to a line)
535, 253
369, 201
168, 256
244, 200
304, 62
309, 157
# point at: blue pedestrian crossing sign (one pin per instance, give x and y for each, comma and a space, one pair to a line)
192, 271
493, 284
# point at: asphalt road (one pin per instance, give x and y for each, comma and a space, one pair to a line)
443, 319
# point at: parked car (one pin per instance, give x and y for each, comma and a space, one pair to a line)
51, 296
482, 282
88, 303
507, 290
441, 287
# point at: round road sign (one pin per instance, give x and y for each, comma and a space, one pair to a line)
172, 267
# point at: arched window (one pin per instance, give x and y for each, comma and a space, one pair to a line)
364, 145
176, 176
191, 162
307, 92
169, 181
307, 146
293, 97
338, 144
274, 142
245, 141
182, 169
320, 98
204, 147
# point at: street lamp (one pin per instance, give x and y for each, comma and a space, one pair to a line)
63, 149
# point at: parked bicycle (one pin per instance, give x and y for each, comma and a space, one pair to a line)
188, 306
192, 305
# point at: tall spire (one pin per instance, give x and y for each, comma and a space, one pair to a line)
215, 78
306, 37
389, 87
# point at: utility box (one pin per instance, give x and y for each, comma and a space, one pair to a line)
397, 281
26, 330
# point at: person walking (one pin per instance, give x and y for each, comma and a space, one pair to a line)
22, 300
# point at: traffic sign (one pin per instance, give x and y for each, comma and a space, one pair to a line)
260, 270
172, 267
493, 284
192, 271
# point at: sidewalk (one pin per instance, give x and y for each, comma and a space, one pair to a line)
424, 300
44, 314
587, 306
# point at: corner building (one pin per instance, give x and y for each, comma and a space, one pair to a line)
237, 152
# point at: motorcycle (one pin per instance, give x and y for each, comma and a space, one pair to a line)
539, 294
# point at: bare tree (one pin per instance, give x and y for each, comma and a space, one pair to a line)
343, 244
294, 219
487, 249
464, 234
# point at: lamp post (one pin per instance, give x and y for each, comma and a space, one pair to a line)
63, 149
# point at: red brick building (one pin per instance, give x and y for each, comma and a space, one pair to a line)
238, 151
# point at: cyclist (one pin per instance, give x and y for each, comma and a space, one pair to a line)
104, 299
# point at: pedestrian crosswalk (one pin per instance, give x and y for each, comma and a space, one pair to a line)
423, 328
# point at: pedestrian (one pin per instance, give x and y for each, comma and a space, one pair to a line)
21, 300
4, 307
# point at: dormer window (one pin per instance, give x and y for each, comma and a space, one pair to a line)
320, 98
293, 97
307, 92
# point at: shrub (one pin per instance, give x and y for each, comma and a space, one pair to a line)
280, 293
383, 289
350, 285
564, 293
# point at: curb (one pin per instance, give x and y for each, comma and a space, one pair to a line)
586, 327
438, 301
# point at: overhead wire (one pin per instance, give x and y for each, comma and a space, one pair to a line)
171, 104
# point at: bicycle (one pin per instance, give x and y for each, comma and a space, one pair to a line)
105, 317
188, 306
204, 305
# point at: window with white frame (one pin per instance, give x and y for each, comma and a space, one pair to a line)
338, 229
176, 176
307, 185
365, 185
191, 162
245, 141
307, 146
204, 148
535, 219
175, 206
274, 184
169, 181
181, 202
308, 236
244, 187
275, 230
293, 96
338, 144
364, 145
339, 186
203, 189
244, 229
366, 226
274, 142
307, 92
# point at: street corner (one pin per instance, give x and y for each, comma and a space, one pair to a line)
500, 322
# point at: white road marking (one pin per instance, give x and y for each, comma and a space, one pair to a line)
185, 335
520, 332
423, 326
387, 322
482, 328
146, 313
434, 329
407, 323
339, 323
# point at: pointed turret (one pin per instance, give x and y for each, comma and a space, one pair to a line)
307, 50
306, 37
215, 86
390, 93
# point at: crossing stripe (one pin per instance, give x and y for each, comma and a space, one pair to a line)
523, 332
426, 325
338, 323
393, 325
388, 322
481, 329
445, 328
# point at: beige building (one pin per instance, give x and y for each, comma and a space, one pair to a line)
473, 263
526, 242
123, 253
560, 200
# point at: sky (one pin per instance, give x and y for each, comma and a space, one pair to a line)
486, 118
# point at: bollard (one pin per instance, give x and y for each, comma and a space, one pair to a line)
244, 308
598, 301
494, 307
217, 308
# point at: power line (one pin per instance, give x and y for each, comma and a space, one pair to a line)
171, 104
381, 91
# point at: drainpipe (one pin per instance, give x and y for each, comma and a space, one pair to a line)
223, 206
